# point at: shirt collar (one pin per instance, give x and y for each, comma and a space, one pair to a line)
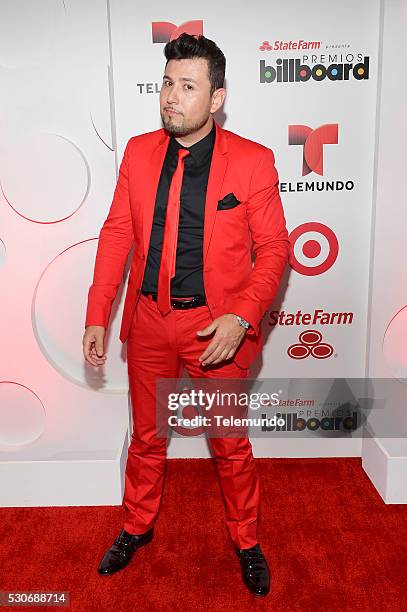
199, 150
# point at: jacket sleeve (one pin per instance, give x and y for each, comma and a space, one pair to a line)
271, 244
115, 241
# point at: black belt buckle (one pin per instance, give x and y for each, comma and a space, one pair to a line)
183, 304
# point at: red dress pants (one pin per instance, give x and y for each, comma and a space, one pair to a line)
158, 347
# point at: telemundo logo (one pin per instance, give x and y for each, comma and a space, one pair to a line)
292, 71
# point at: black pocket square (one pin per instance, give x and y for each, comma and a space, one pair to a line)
229, 201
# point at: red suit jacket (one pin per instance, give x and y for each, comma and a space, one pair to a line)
232, 283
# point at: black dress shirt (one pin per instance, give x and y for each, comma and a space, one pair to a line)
188, 279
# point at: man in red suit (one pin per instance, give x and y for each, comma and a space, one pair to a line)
195, 199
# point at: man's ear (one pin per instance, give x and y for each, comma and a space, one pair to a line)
218, 97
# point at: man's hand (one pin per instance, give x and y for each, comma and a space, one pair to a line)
93, 340
229, 334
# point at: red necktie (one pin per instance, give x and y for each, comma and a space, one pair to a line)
169, 247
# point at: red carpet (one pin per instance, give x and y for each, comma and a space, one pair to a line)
331, 543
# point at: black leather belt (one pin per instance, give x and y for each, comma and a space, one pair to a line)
181, 303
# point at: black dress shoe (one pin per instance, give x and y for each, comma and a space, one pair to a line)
122, 551
255, 571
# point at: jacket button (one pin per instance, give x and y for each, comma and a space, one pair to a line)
143, 256
138, 290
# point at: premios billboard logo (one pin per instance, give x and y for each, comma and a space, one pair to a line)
164, 31
315, 68
293, 422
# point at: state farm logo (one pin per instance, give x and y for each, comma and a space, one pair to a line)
314, 248
164, 31
289, 45
310, 344
317, 317
312, 142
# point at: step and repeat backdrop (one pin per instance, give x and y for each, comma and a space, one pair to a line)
301, 79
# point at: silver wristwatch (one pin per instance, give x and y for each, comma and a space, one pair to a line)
243, 322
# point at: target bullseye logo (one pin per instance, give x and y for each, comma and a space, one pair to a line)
188, 412
314, 248
310, 343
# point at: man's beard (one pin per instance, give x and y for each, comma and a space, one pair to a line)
182, 129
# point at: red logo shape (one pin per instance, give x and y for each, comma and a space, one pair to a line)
188, 412
310, 344
306, 255
313, 144
164, 31
265, 46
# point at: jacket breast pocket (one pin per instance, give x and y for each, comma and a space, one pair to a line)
228, 201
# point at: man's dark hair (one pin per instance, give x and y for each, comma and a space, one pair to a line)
187, 46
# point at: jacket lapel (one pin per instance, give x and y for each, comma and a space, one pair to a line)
154, 173
216, 176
